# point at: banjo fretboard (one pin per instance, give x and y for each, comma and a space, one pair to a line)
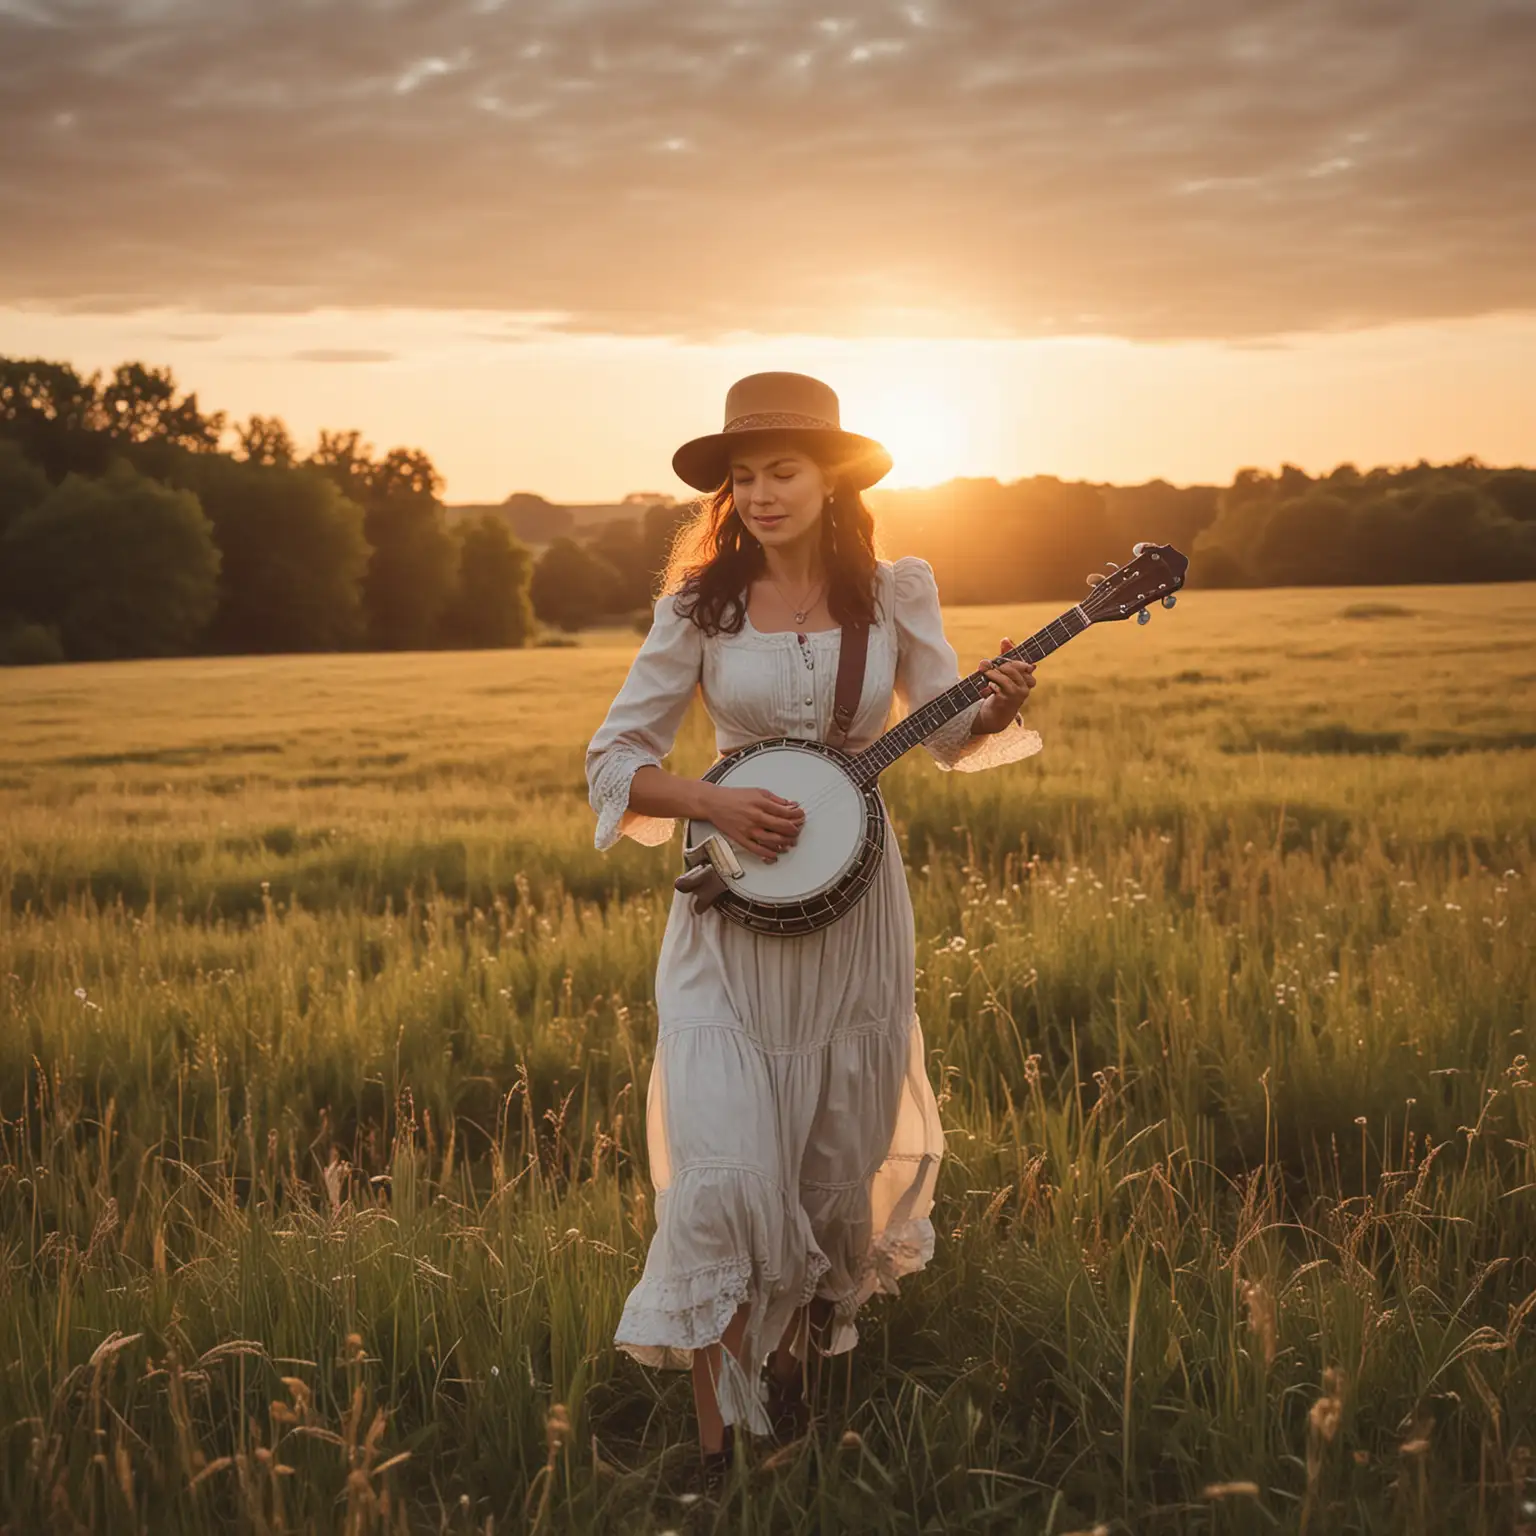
867, 765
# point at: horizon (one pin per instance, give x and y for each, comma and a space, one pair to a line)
1099, 409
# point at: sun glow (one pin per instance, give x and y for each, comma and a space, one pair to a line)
922, 423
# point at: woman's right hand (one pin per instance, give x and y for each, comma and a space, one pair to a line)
755, 819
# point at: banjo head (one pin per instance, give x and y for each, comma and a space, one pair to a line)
834, 858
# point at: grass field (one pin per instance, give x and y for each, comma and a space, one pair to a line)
324, 1035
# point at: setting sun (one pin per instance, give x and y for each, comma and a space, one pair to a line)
922, 423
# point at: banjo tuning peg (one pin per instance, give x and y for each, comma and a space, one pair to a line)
1144, 617
1141, 548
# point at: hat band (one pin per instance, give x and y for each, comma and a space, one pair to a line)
766, 419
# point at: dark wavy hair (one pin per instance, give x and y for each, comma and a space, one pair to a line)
714, 559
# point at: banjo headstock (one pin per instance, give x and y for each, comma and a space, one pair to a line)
1154, 575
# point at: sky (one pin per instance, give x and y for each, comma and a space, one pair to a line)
1108, 239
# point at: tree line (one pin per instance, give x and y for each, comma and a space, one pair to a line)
1036, 539
127, 528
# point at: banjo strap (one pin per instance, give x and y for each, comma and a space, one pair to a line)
850, 681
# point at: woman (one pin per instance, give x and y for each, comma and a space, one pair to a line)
793, 1135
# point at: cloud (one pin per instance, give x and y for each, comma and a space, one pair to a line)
342, 355
1148, 168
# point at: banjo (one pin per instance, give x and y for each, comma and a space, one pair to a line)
842, 839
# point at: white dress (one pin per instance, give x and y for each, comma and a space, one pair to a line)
793, 1136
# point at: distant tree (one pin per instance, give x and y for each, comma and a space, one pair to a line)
141, 405
347, 461
293, 557
120, 566
22, 484
1292, 482
1515, 492
414, 565
1157, 511
55, 416
265, 440
620, 545
490, 606
405, 472
32, 386
536, 521
1445, 531
1249, 487
571, 586
637, 549
1210, 565
1310, 541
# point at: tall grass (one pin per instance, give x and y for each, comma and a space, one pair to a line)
324, 1036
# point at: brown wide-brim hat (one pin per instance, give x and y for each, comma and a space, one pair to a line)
785, 404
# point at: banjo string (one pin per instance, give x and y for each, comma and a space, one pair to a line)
822, 797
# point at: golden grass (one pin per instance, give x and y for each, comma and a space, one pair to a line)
323, 1032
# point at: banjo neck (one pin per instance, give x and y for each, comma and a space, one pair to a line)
866, 766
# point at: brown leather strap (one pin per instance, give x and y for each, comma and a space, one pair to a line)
704, 883
850, 681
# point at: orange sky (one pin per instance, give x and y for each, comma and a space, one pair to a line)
591, 418
539, 238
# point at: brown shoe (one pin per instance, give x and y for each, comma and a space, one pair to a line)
715, 1466
788, 1412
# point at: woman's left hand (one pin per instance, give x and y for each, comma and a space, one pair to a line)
1010, 685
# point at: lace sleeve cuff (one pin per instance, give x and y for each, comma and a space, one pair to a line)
974, 753
609, 797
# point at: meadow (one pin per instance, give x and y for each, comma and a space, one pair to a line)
324, 1035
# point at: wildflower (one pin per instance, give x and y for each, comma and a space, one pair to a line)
1261, 1317
1328, 1411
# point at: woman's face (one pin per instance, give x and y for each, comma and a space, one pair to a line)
779, 492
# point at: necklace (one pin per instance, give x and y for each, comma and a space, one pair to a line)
799, 613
